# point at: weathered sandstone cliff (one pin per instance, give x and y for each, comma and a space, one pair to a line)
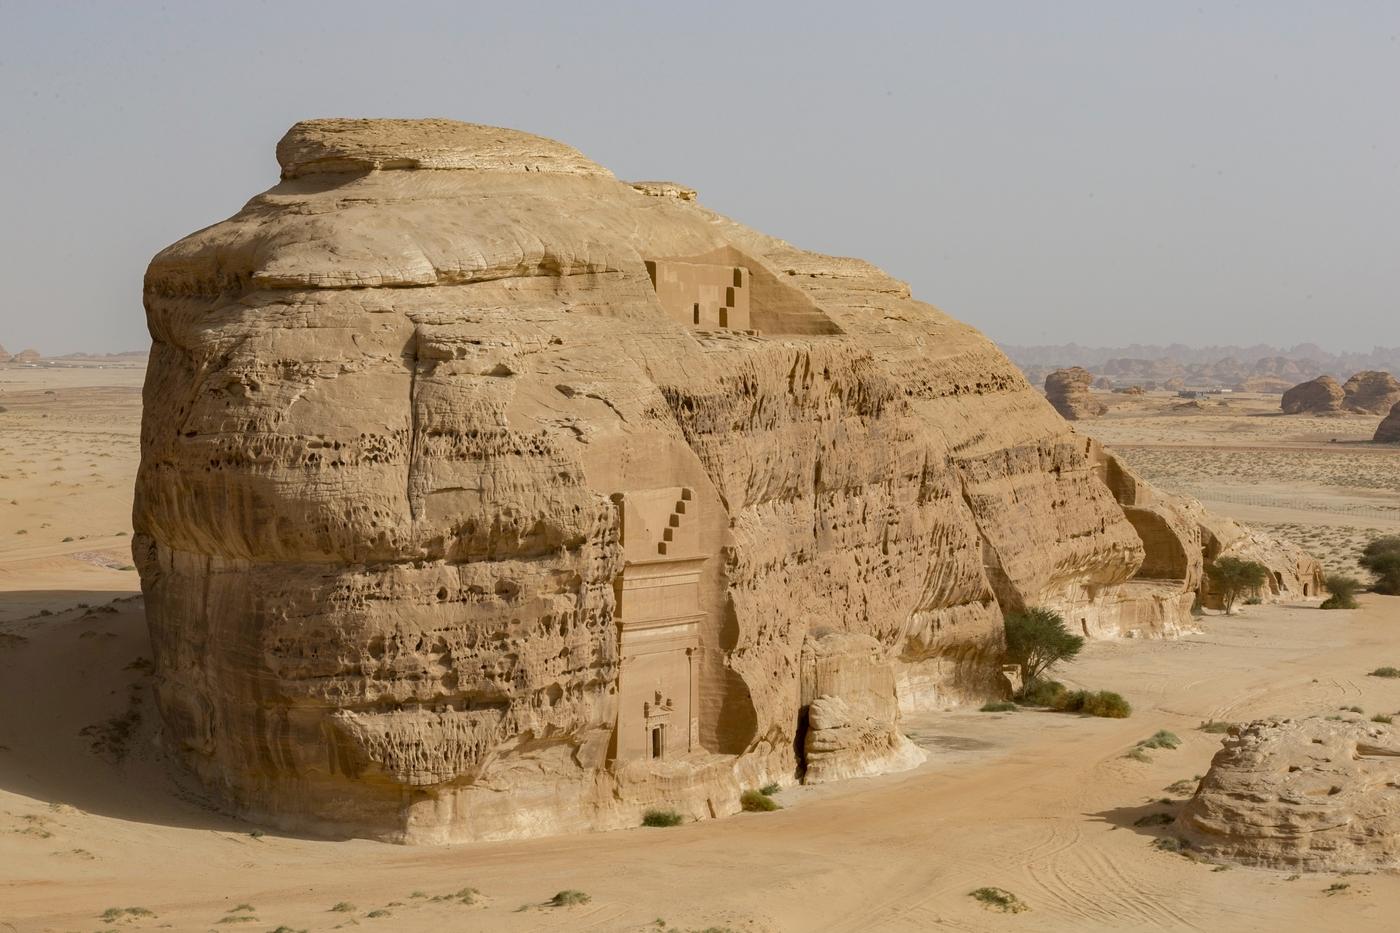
1388, 431
1371, 392
483, 495
1319, 395
1068, 391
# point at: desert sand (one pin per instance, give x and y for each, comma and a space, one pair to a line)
1040, 804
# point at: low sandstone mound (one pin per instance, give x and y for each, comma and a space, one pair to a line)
1371, 392
26, 356
1068, 391
1312, 794
1388, 432
5, 355
1316, 396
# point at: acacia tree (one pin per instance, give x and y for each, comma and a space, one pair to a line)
1382, 558
1231, 578
1037, 640
1343, 589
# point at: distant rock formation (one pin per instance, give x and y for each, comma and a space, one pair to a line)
1310, 794
1068, 391
1317, 396
621, 505
1371, 392
1388, 432
5, 355
26, 356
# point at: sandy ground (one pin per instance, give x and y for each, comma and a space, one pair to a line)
1041, 804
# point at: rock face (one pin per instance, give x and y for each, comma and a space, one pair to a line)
483, 495
1306, 794
1371, 392
5, 355
1068, 391
1388, 431
26, 356
1316, 396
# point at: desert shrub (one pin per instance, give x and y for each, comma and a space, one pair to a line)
1254, 601
1137, 753
1171, 844
344, 907
569, 899
1382, 557
1000, 706
768, 790
1041, 693
661, 818
1352, 709
1382, 718
1336, 887
1343, 590
1231, 578
113, 914
1386, 672
1102, 703
1161, 739
1037, 640
376, 914
999, 899
1215, 727
1155, 819
756, 801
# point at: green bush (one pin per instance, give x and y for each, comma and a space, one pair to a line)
569, 899
1382, 558
1215, 727
755, 801
1037, 640
1381, 717
1137, 753
1343, 590
1041, 693
1232, 578
1000, 706
661, 818
768, 790
1103, 703
1161, 739
1386, 672
1000, 899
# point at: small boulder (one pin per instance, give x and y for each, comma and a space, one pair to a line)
1317, 396
1312, 794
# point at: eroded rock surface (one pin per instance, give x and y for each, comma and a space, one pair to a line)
1371, 392
1388, 431
484, 495
1316, 396
1313, 794
1068, 391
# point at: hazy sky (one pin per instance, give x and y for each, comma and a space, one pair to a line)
1100, 172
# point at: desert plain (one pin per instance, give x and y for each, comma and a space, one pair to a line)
96, 833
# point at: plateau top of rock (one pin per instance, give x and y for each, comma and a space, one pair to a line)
602, 514
1371, 392
1314, 794
1316, 396
331, 146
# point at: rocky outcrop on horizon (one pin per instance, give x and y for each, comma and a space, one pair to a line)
483, 495
1068, 391
1312, 794
26, 356
1317, 396
1371, 392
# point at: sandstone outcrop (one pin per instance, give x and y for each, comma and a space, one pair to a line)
1371, 392
1311, 794
5, 355
483, 495
1068, 391
1388, 431
26, 356
1316, 396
